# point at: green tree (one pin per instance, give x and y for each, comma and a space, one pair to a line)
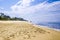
5, 17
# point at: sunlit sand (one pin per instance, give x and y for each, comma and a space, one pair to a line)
21, 30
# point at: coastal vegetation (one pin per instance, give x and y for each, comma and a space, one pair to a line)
6, 17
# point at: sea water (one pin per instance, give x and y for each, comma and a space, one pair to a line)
55, 25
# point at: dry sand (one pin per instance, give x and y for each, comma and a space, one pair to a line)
20, 30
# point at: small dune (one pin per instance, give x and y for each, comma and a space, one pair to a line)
21, 30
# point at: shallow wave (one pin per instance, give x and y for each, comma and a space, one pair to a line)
53, 25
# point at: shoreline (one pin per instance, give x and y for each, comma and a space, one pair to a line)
47, 27
31, 23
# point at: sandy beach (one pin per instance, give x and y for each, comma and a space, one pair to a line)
21, 30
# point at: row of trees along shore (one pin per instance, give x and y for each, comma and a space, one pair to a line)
6, 17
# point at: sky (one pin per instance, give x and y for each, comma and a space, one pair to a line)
6, 4
32, 10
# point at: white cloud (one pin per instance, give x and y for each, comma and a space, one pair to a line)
23, 3
1, 9
10, 13
43, 12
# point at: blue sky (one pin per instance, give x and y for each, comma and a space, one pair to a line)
6, 4
32, 10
